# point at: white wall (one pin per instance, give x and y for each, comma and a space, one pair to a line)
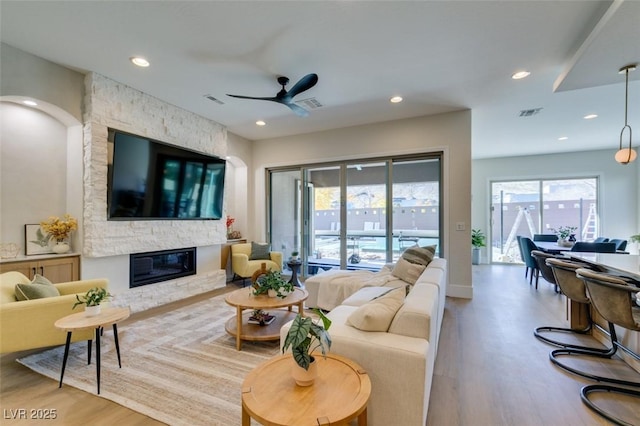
450, 133
619, 192
33, 158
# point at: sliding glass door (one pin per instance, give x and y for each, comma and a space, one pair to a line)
539, 207
355, 214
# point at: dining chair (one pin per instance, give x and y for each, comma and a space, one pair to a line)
527, 247
552, 238
601, 240
621, 245
526, 268
582, 246
612, 299
547, 273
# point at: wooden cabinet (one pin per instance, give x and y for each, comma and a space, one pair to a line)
56, 269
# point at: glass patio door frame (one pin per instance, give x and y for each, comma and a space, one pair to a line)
305, 209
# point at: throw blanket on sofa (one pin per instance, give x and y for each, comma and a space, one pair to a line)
337, 285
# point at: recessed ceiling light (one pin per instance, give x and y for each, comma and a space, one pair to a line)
396, 99
261, 123
520, 74
30, 103
590, 116
141, 62
563, 138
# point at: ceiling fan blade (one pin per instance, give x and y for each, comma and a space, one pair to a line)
300, 112
305, 83
253, 97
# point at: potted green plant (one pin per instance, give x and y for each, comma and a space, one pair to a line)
564, 233
92, 300
304, 337
477, 241
635, 239
273, 285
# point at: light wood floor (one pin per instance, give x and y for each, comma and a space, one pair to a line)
490, 370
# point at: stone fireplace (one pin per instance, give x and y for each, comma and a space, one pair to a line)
107, 245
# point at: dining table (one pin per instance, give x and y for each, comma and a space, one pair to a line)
551, 247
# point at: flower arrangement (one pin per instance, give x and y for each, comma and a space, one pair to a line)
564, 232
231, 234
59, 228
230, 221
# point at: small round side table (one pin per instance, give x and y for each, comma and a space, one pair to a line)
339, 394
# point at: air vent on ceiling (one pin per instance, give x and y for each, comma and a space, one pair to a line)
216, 100
310, 103
529, 112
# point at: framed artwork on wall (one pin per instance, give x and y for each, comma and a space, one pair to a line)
36, 241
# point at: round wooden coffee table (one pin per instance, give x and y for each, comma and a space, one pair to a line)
339, 394
244, 299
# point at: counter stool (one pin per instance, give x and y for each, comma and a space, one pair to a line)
612, 299
574, 289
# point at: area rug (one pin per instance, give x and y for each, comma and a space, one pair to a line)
180, 368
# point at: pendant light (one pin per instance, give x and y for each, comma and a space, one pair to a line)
626, 155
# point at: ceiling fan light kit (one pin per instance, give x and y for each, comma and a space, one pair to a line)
285, 97
628, 154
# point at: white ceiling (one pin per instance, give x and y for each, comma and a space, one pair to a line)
439, 55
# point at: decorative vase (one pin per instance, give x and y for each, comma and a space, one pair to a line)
61, 247
272, 293
304, 377
92, 311
564, 243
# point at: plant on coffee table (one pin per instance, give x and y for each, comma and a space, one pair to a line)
273, 281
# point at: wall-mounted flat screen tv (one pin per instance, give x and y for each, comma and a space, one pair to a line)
148, 179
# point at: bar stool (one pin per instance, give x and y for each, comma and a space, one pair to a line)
612, 299
574, 289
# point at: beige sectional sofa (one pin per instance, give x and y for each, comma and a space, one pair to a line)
399, 361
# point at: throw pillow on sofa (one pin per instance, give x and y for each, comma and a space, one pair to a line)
407, 271
377, 314
39, 288
259, 251
419, 255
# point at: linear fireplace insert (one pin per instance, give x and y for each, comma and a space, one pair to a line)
156, 266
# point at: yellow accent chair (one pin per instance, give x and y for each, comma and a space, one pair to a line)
243, 267
28, 324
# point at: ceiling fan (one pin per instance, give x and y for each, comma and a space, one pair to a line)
286, 98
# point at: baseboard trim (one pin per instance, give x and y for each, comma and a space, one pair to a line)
460, 291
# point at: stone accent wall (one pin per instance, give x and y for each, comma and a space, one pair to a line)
153, 295
111, 104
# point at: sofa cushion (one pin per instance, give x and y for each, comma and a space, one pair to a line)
365, 295
39, 288
259, 251
407, 271
377, 314
419, 255
417, 316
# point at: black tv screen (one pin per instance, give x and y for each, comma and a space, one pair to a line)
148, 179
